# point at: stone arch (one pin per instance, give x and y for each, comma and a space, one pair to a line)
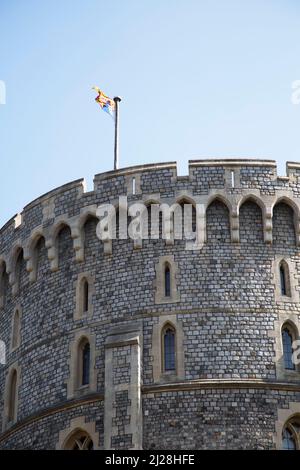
60, 224
79, 440
32, 253
251, 212
16, 265
266, 212
221, 198
285, 417
91, 243
254, 198
64, 245
218, 224
87, 214
186, 199
78, 426
292, 325
41, 258
291, 433
53, 242
190, 217
288, 201
285, 218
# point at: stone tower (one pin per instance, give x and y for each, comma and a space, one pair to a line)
101, 354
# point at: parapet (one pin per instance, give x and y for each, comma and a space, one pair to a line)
161, 179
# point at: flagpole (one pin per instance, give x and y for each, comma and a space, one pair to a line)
117, 99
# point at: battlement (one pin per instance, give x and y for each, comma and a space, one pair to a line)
162, 178
230, 180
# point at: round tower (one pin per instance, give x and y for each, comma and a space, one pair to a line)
155, 343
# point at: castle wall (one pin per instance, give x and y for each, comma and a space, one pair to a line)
217, 419
227, 309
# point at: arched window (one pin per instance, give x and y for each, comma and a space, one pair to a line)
288, 336
12, 394
80, 440
15, 339
291, 435
84, 362
167, 281
168, 340
284, 278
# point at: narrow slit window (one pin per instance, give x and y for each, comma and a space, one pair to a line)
133, 185
85, 364
284, 279
85, 296
167, 281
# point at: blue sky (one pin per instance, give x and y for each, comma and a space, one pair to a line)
198, 79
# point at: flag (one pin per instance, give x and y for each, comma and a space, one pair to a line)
107, 104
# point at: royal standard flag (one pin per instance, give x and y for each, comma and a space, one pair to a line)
107, 104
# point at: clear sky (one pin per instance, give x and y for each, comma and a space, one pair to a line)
198, 79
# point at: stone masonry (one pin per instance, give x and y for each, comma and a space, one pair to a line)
229, 390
